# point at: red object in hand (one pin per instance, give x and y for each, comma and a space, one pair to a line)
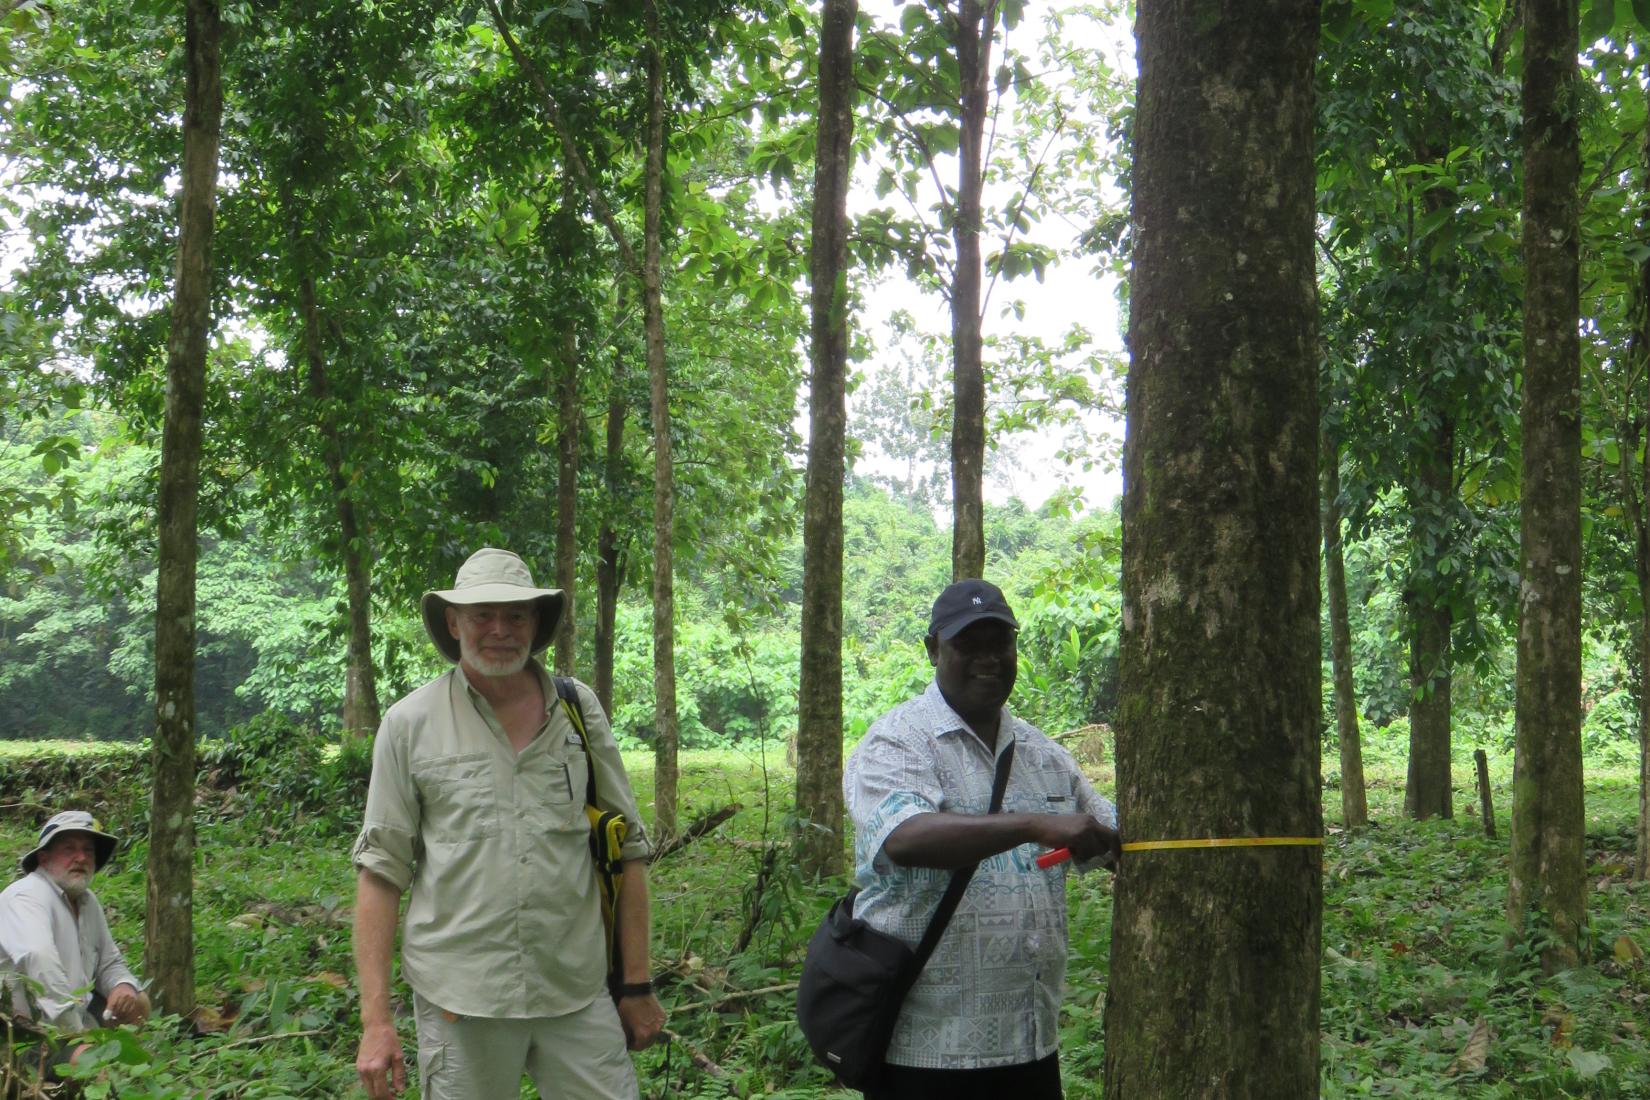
1049, 859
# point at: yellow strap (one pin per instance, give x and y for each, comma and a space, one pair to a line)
1226, 842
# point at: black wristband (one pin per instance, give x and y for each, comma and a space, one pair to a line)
633, 989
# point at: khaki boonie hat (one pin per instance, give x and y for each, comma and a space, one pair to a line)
491, 576
71, 821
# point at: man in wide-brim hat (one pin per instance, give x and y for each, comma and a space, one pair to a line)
54, 934
477, 810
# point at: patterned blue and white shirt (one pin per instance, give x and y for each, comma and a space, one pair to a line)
990, 995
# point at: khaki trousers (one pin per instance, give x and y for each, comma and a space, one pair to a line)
579, 1056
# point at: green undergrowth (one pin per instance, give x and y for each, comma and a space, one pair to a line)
1420, 997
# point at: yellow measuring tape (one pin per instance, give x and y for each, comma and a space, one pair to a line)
1226, 842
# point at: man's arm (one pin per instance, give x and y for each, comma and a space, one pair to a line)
642, 1016
948, 841
125, 1002
378, 1061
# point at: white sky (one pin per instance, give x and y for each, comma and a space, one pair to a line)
1069, 292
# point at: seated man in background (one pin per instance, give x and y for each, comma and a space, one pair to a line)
58, 963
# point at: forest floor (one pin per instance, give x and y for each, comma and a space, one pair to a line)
1420, 996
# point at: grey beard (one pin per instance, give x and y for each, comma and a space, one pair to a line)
74, 888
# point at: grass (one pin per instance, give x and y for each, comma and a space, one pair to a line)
1414, 971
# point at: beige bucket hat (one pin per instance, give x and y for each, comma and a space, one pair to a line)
491, 576
71, 821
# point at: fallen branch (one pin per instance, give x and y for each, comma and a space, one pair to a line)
736, 995
694, 831
694, 1053
254, 1040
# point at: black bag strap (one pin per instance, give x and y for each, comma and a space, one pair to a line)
568, 693
959, 881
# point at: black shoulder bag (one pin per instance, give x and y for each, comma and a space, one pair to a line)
854, 978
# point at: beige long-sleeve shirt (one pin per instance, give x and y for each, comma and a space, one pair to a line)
503, 917
70, 956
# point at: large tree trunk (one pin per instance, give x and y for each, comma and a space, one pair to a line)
819, 700
1427, 792
1215, 951
1354, 801
665, 771
975, 23
569, 423
360, 715
609, 552
169, 926
1547, 884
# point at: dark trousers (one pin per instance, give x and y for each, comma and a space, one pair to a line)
1026, 1081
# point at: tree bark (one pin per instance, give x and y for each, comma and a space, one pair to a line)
1640, 358
1634, 495
360, 716
609, 552
169, 924
1215, 952
1427, 792
1486, 797
1354, 800
569, 423
665, 770
975, 23
1547, 884
819, 701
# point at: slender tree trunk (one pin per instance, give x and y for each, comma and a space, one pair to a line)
1428, 793
360, 715
169, 927
1354, 802
665, 772
1215, 952
819, 700
975, 23
609, 555
569, 423
1641, 362
1547, 884
1634, 494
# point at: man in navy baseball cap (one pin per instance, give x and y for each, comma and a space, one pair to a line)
981, 1022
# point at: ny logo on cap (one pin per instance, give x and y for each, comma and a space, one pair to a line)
977, 601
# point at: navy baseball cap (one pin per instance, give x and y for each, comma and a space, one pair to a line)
965, 603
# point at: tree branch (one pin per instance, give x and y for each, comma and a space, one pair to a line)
575, 162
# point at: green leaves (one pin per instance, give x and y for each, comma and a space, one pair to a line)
1598, 17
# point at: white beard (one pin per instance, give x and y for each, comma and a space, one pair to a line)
75, 885
509, 666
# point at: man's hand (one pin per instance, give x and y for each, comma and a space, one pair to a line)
1085, 836
643, 1018
127, 1004
379, 1064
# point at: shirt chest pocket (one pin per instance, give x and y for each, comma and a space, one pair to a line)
554, 787
1033, 799
458, 798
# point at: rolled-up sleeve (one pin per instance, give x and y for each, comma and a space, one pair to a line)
111, 964
889, 781
613, 791
388, 843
